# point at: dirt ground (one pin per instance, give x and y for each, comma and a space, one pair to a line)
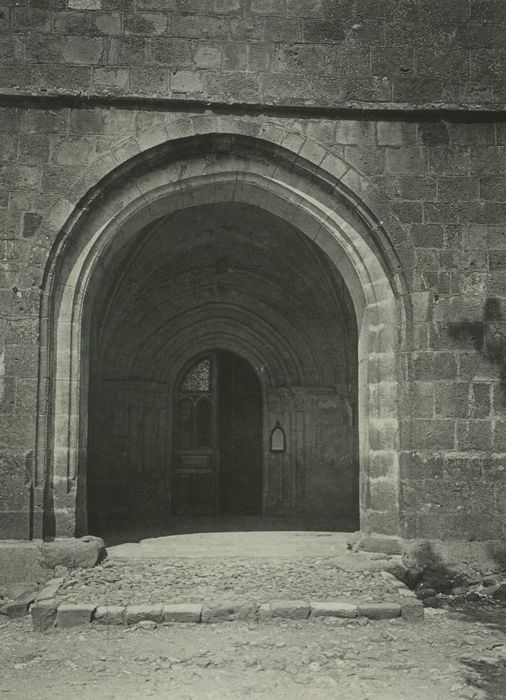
450, 655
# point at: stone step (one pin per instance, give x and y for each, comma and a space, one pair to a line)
47, 613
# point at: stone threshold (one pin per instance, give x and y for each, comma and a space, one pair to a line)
46, 612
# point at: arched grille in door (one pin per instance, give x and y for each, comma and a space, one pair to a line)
218, 438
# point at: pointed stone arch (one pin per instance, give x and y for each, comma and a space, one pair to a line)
207, 160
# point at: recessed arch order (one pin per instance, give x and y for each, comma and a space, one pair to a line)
206, 168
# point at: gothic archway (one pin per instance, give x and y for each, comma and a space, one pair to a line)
246, 171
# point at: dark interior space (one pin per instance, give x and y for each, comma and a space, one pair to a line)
239, 288
217, 466
240, 437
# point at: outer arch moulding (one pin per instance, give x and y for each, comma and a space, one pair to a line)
59, 275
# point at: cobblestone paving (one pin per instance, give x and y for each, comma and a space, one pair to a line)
132, 582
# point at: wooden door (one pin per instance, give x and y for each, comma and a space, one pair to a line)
240, 436
195, 474
218, 438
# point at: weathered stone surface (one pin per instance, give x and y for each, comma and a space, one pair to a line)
290, 609
73, 614
182, 612
333, 609
412, 611
136, 613
85, 552
20, 591
489, 581
348, 39
50, 589
379, 611
218, 613
15, 608
18, 560
110, 614
147, 625
229, 611
442, 566
385, 545
43, 615
423, 593
499, 592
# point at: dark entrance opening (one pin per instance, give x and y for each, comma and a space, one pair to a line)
218, 438
277, 446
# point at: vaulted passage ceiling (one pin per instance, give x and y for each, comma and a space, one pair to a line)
223, 276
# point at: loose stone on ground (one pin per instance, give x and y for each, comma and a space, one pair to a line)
130, 582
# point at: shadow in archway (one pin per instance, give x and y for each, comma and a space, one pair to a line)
181, 525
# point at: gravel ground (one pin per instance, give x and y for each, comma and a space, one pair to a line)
182, 580
449, 656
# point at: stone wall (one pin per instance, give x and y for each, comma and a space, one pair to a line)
442, 173
320, 52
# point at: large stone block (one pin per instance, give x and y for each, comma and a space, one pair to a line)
176, 53
333, 609
131, 50
182, 612
325, 31
291, 609
146, 23
474, 435
379, 611
73, 614
223, 612
268, 7
49, 591
85, 552
412, 611
84, 50
434, 365
378, 543
137, 613
110, 615
18, 607
23, 18
43, 615
73, 149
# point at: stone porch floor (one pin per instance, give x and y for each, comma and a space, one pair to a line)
230, 570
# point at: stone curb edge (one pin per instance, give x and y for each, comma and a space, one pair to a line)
46, 612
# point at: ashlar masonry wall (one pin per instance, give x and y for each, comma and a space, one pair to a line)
443, 188
259, 51
410, 95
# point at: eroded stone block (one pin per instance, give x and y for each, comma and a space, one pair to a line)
291, 609
182, 612
43, 615
229, 611
74, 614
136, 613
412, 611
110, 614
333, 609
379, 611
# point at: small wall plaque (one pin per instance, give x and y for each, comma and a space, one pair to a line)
278, 439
